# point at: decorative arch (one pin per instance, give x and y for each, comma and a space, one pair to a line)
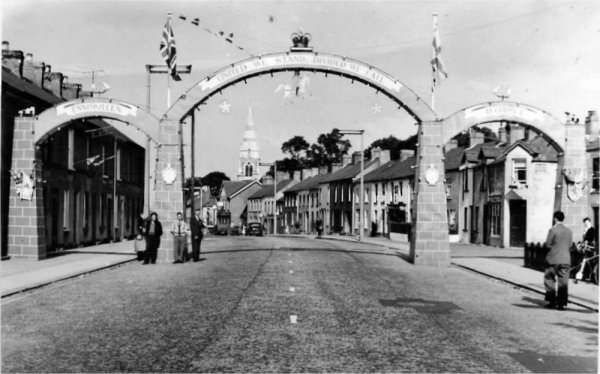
549, 127
50, 120
305, 61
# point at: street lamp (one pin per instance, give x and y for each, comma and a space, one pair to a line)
362, 185
274, 164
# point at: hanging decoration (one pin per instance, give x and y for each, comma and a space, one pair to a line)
225, 106
24, 184
225, 36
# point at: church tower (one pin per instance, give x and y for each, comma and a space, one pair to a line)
248, 164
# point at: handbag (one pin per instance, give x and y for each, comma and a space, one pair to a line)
139, 244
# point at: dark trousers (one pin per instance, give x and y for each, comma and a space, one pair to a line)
196, 248
558, 296
151, 252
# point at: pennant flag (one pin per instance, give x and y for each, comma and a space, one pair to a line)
91, 160
168, 49
437, 63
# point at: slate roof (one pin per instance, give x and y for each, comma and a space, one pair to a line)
392, 170
453, 158
308, 183
25, 86
472, 153
347, 172
232, 187
268, 189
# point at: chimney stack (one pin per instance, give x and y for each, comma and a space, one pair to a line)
346, 159
71, 90
515, 133
13, 60
452, 143
502, 134
408, 153
55, 83
34, 71
476, 138
592, 126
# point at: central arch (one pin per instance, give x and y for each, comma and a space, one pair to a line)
304, 61
171, 195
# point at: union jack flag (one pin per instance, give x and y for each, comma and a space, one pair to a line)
168, 50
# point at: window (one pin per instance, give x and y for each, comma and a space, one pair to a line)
118, 165
483, 185
71, 149
248, 170
66, 209
466, 180
376, 193
401, 188
596, 174
495, 218
520, 170
86, 201
466, 220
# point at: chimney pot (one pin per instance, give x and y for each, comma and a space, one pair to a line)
29, 58
5, 45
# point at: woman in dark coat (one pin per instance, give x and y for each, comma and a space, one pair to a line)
153, 234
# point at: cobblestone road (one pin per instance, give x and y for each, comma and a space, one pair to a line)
291, 305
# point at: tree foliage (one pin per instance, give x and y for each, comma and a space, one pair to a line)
213, 180
296, 147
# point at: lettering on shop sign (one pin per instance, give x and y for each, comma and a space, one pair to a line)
114, 107
302, 60
482, 112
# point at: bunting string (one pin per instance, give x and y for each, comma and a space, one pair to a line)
225, 36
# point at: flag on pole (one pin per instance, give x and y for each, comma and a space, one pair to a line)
168, 50
437, 63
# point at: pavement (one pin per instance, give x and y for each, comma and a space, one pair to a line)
503, 264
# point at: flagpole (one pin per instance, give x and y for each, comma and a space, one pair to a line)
169, 75
433, 70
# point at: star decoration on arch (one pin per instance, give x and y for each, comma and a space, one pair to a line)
376, 108
225, 106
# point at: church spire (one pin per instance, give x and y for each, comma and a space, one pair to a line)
249, 158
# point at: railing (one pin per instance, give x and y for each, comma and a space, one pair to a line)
535, 257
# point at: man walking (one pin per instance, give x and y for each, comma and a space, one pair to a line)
179, 230
558, 262
196, 226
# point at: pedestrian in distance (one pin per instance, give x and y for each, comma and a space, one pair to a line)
153, 233
196, 227
589, 233
140, 240
179, 229
558, 260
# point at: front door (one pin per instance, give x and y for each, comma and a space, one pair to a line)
518, 222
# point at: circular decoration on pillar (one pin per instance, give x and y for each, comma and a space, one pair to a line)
432, 175
575, 191
169, 174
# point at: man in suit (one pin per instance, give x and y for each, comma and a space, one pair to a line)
196, 226
558, 262
179, 229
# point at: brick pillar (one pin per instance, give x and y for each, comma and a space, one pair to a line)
168, 198
429, 240
26, 223
574, 164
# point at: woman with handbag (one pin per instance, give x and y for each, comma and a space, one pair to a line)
153, 234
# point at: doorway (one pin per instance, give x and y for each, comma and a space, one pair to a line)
518, 222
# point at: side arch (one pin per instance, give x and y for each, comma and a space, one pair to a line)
549, 127
305, 61
50, 120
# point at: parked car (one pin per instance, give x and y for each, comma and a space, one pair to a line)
254, 229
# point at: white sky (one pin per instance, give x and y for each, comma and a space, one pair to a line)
547, 52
